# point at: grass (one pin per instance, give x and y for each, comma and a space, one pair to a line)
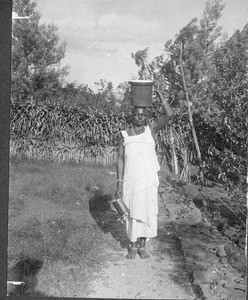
50, 222
57, 225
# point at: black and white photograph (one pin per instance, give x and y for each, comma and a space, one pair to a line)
126, 141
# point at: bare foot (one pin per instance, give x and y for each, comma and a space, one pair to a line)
142, 253
132, 253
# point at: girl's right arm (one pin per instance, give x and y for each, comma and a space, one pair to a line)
120, 168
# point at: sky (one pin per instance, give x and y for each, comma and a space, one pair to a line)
102, 34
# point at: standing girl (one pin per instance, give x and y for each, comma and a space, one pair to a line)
137, 177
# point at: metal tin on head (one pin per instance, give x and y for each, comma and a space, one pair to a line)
141, 92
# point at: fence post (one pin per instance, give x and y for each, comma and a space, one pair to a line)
174, 156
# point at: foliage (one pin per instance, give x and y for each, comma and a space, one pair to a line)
217, 83
54, 126
83, 97
216, 79
140, 58
123, 96
48, 130
199, 40
183, 74
36, 56
228, 90
74, 94
199, 43
105, 98
37, 73
62, 133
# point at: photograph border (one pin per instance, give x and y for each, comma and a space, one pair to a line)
5, 96
5, 90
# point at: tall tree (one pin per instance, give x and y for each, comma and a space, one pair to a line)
123, 96
140, 58
199, 42
74, 94
185, 72
228, 90
105, 98
36, 55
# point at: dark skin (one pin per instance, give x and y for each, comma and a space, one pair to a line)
139, 121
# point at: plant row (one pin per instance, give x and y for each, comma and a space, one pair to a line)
66, 128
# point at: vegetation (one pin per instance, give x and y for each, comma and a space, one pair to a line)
50, 225
56, 121
52, 119
215, 70
37, 73
36, 56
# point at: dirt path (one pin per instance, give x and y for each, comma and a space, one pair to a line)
163, 276
188, 255
150, 279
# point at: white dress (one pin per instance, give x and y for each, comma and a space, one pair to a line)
140, 184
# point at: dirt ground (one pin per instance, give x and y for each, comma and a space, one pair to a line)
190, 258
163, 276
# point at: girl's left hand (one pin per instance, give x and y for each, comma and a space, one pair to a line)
118, 192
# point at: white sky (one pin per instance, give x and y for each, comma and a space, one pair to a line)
102, 34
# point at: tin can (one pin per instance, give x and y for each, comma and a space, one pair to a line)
120, 206
141, 92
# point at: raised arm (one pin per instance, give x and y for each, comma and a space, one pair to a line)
161, 122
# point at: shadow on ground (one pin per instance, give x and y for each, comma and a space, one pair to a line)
108, 220
25, 270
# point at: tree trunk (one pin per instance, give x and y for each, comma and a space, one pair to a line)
190, 118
